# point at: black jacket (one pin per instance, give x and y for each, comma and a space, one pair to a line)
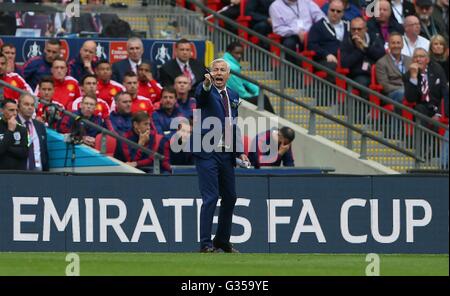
13, 147
42, 134
120, 68
374, 27
437, 85
171, 70
322, 39
353, 58
258, 10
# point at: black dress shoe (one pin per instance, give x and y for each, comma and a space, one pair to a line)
207, 250
226, 247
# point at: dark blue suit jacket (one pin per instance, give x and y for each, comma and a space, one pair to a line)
42, 134
210, 105
120, 68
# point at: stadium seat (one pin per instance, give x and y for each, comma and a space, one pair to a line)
408, 115
244, 20
375, 86
110, 144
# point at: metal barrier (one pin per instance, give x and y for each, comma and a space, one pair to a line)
365, 127
105, 132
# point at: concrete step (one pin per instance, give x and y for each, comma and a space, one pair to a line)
258, 75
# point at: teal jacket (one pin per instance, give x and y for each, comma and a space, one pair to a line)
244, 88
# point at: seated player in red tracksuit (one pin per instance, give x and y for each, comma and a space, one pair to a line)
142, 134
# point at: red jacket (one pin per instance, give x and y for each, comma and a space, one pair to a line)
65, 91
151, 90
107, 91
15, 80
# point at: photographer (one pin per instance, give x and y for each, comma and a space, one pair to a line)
80, 131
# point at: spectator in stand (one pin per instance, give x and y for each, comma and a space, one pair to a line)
13, 143
66, 87
135, 50
429, 25
120, 120
385, 23
89, 88
261, 21
37, 135
84, 63
439, 52
292, 19
167, 112
107, 88
142, 134
264, 157
89, 20
12, 78
425, 84
246, 90
182, 64
40, 66
148, 87
325, 36
48, 113
359, 51
440, 11
9, 51
231, 9
185, 103
140, 103
412, 38
86, 111
179, 145
401, 9
391, 67
350, 10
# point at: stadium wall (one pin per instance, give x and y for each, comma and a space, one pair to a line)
274, 214
317, 151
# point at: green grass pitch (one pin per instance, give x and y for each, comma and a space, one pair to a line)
196, 264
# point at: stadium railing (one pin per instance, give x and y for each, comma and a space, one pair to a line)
419, 142
105, 132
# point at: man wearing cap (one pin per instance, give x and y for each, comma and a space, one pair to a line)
429, 26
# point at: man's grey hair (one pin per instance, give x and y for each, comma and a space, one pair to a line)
25, 95
135, 39
216, 61
421, 49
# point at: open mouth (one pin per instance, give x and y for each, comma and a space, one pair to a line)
219, 79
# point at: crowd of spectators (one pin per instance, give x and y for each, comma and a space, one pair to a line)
408, 42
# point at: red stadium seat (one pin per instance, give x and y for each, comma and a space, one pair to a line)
340, 82
244, 20
408, 115
375, 86
110, 144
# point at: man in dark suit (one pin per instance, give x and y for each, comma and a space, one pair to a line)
359, 51
37, 134
89, 20
425, 84
385, 23
13, 139
216, 159
183, 64
325, 36
135, 50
